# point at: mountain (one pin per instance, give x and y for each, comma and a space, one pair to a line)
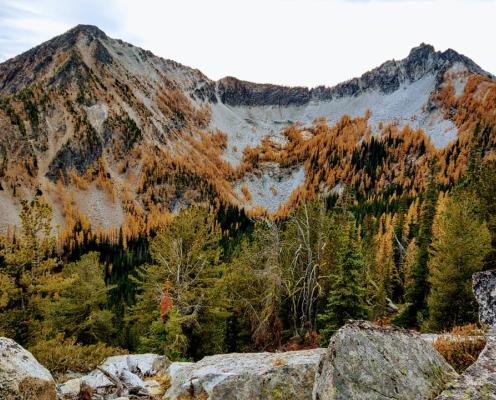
114, 135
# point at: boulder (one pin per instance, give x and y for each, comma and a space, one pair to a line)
247, 376
142, 365
119, 376
478, 382
365, 361
484, 287
69, 389
21, 376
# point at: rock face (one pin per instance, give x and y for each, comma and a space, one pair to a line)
248, 376
365, 361
119, 376
484, 287
21, 376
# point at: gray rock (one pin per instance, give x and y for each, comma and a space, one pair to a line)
69, 390
142, 365
365, 361
123, 375
387, 78
21, 376
246, 376
478, 382
484, 287
154, 388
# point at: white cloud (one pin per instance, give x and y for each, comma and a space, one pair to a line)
296, 42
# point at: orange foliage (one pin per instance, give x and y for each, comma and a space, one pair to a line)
461, 346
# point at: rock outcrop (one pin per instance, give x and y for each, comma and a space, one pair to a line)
21, 376
247, 376
365, 361
120, 376
484, 287
478, 382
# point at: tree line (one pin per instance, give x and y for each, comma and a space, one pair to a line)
213, 281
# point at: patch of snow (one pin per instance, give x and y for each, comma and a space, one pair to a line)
272, 187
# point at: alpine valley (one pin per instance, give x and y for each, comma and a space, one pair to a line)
223, 231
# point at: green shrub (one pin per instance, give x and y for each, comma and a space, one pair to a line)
61, 355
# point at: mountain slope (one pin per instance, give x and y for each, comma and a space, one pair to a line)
115, 135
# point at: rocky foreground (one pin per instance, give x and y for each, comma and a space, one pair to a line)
363, 361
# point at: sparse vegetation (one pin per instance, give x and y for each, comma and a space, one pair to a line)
461, 346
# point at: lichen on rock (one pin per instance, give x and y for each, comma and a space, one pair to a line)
21, 376
365, 361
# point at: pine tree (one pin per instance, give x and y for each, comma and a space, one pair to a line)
458, 250
186, 274
29, 273
485, 191
416, 293
78, 310
346, 300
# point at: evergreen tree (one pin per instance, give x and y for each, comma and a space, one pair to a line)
181, 296
346, 299
485, 191
78, 310
458, 249
29, 275
415, 310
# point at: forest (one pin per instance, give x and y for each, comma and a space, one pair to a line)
213, 279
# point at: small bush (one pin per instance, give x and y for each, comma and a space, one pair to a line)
61, 355
461, 346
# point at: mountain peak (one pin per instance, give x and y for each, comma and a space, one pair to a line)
423, 50
88, 30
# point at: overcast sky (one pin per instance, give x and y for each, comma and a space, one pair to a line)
291, 42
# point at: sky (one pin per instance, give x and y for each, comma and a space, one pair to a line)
288, 42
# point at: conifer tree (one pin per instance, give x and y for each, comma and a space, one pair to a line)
458, 249
29, 273
346, 299
416, 293
181, 296
256, 284
79, 310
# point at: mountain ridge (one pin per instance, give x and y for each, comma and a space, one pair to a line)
94, 113
420, 60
